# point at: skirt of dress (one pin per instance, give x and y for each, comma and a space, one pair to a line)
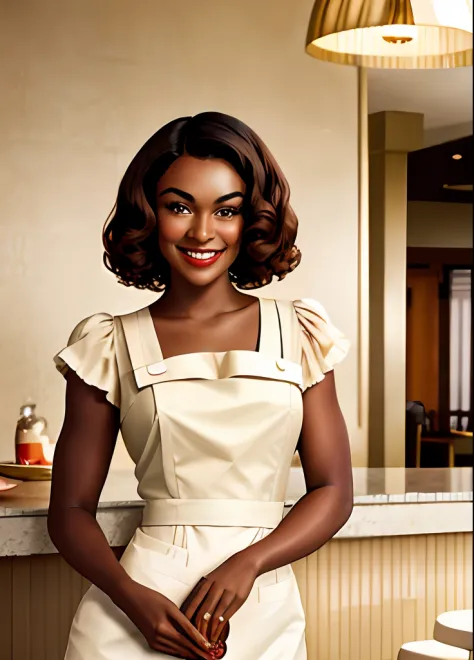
269, 626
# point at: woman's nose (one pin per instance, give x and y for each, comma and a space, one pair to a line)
202, 228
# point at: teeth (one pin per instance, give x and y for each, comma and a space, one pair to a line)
201, 255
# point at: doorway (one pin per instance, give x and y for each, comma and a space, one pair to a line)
438, 311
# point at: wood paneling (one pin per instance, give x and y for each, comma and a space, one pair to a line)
38, 598
363, 598
44, 593
424, 264
422, 365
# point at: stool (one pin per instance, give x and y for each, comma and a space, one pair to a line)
455, 628
430, 649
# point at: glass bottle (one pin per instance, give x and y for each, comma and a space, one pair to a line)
32, 445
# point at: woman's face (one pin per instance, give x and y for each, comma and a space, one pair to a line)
199, 211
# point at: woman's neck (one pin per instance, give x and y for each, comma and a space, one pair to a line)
182, 298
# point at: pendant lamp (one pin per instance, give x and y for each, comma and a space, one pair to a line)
392, 34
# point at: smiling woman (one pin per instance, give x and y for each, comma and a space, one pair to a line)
213, 390
204, 229
226, 157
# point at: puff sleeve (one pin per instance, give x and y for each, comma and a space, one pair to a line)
90, 352
322, 345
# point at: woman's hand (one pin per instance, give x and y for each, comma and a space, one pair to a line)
163, 625
220, 593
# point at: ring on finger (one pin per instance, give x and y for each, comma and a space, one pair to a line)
207, 616
221, 619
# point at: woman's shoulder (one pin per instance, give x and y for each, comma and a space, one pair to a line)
97, 323
304, 308
321, 344
306, 311
90, 352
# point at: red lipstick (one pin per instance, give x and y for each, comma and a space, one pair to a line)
198, 262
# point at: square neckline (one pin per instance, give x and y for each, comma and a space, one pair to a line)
157, 344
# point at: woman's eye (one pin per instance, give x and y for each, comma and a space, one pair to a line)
228, 212
177, 207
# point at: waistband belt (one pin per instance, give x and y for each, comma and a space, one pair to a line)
221, 513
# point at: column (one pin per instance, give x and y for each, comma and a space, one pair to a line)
391, 136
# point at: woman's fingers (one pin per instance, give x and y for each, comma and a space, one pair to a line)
235, 605
183, 644
205, 612
215, 628
185, 607
195, 598
190, 634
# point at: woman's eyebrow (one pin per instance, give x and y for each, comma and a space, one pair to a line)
231, 195
191, 199
179, 192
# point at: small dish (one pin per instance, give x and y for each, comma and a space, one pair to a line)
5, 486
26, 472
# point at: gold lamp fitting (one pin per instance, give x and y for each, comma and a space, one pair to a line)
392, 34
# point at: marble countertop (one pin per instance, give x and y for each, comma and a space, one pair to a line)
371, 486
445, 495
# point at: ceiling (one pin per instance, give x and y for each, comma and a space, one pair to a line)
431, 169
443, 96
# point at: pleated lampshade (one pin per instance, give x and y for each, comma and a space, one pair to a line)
392, 34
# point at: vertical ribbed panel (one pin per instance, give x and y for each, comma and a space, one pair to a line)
363, 598
39, 596
6, 601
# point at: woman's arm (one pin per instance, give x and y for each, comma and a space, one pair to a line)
326, 460
81, 463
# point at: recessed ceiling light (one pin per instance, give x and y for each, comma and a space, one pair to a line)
457, 157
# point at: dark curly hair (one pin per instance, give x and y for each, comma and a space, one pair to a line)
268, 246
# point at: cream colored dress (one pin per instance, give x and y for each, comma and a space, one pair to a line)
212, 436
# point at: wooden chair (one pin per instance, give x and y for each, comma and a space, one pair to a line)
462, 416
420, 429
440, 440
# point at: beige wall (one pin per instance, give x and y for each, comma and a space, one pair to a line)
84, 84
433, 224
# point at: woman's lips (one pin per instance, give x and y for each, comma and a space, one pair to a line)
202, 261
